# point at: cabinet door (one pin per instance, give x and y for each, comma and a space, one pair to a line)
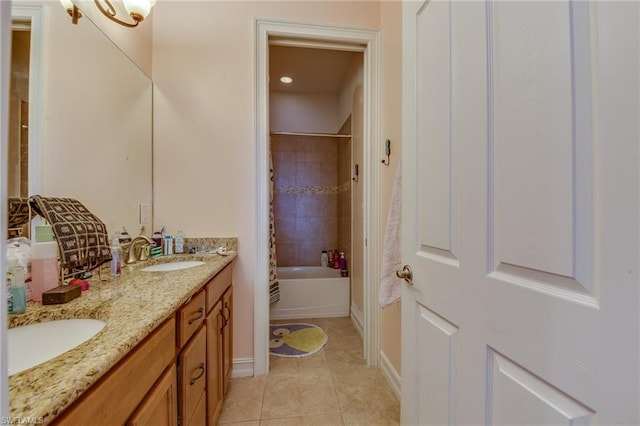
192, 370
199, 417
160, 407
215, 323
227, 338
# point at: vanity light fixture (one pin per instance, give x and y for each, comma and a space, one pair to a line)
286, 79
137, 10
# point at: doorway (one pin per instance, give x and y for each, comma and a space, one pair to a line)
332, 38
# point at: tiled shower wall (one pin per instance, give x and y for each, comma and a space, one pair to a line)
305, 197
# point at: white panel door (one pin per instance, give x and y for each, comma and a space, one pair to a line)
521, 216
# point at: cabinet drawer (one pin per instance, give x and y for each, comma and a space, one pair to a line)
189, 318
218, 285
193, 374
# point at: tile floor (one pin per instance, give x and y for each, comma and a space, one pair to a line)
331, 387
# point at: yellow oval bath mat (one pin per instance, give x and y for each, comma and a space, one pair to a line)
296, 340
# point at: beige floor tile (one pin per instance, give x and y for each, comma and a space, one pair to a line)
344, 357
244, 400
310, 391
281, 400
371, 418
362, 388
249, 423
316, 420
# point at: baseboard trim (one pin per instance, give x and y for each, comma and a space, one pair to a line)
242, 367
356, 319
390, 374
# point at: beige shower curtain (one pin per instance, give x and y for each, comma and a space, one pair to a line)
274, 287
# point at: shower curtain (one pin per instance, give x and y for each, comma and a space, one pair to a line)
274, 287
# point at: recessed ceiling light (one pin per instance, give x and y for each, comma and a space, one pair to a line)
286, 79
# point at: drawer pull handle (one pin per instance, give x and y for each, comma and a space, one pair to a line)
202, 370
224, 321
197, 317
227, 318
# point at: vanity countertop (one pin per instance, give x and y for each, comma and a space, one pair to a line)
145, 300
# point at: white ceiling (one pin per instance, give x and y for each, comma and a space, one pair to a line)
313, 70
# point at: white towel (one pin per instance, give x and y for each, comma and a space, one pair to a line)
391, 285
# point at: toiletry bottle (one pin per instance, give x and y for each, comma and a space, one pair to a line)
179, 242
324, 259
124, 236
336, 259
330, 260
18, 299
15, 287
168, 245
157, 238
44, 268
116, 256
343, 265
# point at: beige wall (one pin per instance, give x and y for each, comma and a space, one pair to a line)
303, 112
357, 203
391, 113
203, 69
353, 78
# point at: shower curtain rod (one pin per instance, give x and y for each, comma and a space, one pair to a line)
310, 134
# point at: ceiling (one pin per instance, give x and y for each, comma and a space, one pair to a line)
313, 70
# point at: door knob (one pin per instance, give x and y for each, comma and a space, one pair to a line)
406, 274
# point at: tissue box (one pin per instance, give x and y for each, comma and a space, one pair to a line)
61, 294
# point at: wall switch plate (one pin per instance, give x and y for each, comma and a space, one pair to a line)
144, 214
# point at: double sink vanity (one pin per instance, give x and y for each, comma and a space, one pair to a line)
159, 348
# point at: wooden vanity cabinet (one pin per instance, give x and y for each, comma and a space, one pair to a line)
219, 341
177, 375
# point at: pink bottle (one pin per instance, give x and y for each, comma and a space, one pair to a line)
336, 259
44, 268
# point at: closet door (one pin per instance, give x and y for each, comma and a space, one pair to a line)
520, 213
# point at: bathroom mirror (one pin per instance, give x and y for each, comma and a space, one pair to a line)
89, 126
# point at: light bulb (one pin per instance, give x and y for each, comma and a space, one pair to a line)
138, 9
67, 4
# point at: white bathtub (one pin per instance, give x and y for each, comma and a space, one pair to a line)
311, 292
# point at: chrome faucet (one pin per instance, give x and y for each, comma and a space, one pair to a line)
144, 255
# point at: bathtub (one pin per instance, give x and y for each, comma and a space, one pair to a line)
311, 292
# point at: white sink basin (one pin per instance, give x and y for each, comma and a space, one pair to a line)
172, 266
33, 344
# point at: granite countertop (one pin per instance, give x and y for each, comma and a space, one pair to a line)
145, 300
